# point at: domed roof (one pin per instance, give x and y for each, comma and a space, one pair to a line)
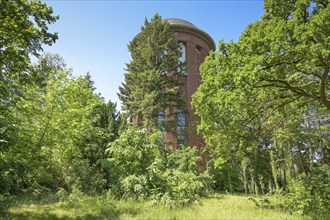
178, 21
183, 25
178, 24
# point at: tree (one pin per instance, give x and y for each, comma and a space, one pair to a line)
288, 51
23, 31
264, 100
108, 123
51, 124
151, 84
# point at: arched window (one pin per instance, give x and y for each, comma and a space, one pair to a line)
181, 126
182, 59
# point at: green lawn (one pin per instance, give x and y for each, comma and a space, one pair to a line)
218, 207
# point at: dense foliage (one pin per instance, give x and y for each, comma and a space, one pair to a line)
57, 126
59, 136
151, 84
310, 194
141, 168
54, 128
23, 30
264, 104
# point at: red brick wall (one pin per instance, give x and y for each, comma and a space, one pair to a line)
192, 80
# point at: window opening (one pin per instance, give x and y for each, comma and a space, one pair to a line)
182, 59
181, 127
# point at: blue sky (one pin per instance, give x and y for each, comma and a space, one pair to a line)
93, 35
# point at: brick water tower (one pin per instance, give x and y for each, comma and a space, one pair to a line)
195, 44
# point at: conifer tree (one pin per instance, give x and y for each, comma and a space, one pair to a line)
151, 86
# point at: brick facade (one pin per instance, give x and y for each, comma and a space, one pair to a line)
198, 44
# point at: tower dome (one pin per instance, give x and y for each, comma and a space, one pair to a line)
178, 21
185, 26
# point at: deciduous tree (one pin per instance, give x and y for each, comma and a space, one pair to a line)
23, 31
264, 100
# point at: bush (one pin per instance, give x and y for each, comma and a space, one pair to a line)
310, 195
140, 168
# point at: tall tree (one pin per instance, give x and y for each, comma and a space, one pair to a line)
151, 84
264, 100
107, 121
23, 31
54, 126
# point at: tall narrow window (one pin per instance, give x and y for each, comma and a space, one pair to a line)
182, 59
161, 123
181, 126
198, 52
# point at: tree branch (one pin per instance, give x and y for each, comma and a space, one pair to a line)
282, 63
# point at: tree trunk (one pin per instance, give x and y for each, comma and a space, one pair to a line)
274, 171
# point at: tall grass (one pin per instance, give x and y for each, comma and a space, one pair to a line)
105, 207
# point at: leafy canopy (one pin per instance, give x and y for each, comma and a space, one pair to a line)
264, 100
23, 31
281, 60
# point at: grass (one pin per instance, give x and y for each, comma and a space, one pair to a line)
217, 207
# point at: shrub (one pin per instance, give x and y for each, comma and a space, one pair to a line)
140, 168
310, 195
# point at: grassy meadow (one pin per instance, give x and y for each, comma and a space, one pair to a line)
216, 207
